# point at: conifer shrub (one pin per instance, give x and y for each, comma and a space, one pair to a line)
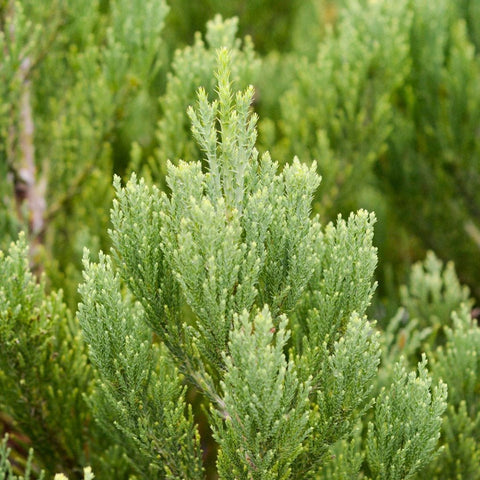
255, 305
435, 150
436, 317
224, 333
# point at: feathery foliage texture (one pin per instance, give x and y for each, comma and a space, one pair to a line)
337, 110
45, 375
218, 265
137, 396
225, 332
387, 105
457, 363
399, 446
191, 67
435, 152
265, 405
43, 366
436, 317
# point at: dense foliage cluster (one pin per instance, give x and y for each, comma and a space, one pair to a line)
224, 320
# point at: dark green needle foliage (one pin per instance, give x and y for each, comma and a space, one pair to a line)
43, 365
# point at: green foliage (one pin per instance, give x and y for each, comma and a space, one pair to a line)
346, 458
226, 240
339, 346
257, 310
405, 430
43, 367
460, 355
192, 67
341, 283
72, 76
264, 412
337, 109
6, 469
433, 292
434, 151
457, 363
428, 299
342, 392
432, 295
269, 22
138, 400
385, 101
215, 229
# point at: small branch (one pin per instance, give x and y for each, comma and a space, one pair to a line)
33, 192
473, 232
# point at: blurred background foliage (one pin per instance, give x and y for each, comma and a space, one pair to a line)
384, 95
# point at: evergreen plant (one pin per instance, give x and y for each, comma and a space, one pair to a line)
224, 334
260, 309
